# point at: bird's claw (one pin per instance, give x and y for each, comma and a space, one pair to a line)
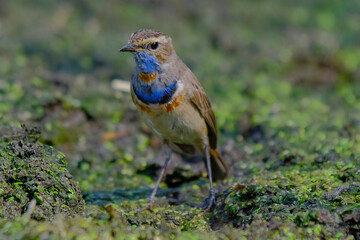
209, 203
148, 206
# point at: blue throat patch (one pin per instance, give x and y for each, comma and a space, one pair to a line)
146, 63
157, 95
154, 92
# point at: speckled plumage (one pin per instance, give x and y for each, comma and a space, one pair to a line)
173, 103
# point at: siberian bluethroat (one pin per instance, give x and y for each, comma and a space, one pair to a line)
173, 104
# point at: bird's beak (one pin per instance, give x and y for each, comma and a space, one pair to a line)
129, 48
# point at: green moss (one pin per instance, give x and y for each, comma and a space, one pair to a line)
29, 171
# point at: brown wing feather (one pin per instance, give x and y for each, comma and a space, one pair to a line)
202, 103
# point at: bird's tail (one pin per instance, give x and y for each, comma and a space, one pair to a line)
219, 167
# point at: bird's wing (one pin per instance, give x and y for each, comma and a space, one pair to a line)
201, 102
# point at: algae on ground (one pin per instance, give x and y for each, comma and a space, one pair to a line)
30, 171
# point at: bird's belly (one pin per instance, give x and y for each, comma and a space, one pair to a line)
182, 124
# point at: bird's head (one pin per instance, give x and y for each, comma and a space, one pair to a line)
147, 43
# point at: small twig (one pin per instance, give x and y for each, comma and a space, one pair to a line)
110, 136
121, 85
30, 210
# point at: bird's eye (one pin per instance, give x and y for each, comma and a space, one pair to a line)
154, 45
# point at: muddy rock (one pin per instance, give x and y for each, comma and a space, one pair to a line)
32, 171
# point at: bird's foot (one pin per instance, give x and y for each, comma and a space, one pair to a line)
209, 203
148, 206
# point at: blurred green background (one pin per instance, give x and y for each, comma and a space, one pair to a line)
283, 78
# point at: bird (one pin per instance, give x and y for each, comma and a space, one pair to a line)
174, 105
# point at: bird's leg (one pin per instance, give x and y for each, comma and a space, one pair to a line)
209, 202
149, 205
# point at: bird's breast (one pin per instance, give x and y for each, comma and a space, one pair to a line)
147, 77
175, 120
157, 108
156, 92
156, 99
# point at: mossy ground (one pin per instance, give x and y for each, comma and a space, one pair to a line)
34, 178
284, 81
